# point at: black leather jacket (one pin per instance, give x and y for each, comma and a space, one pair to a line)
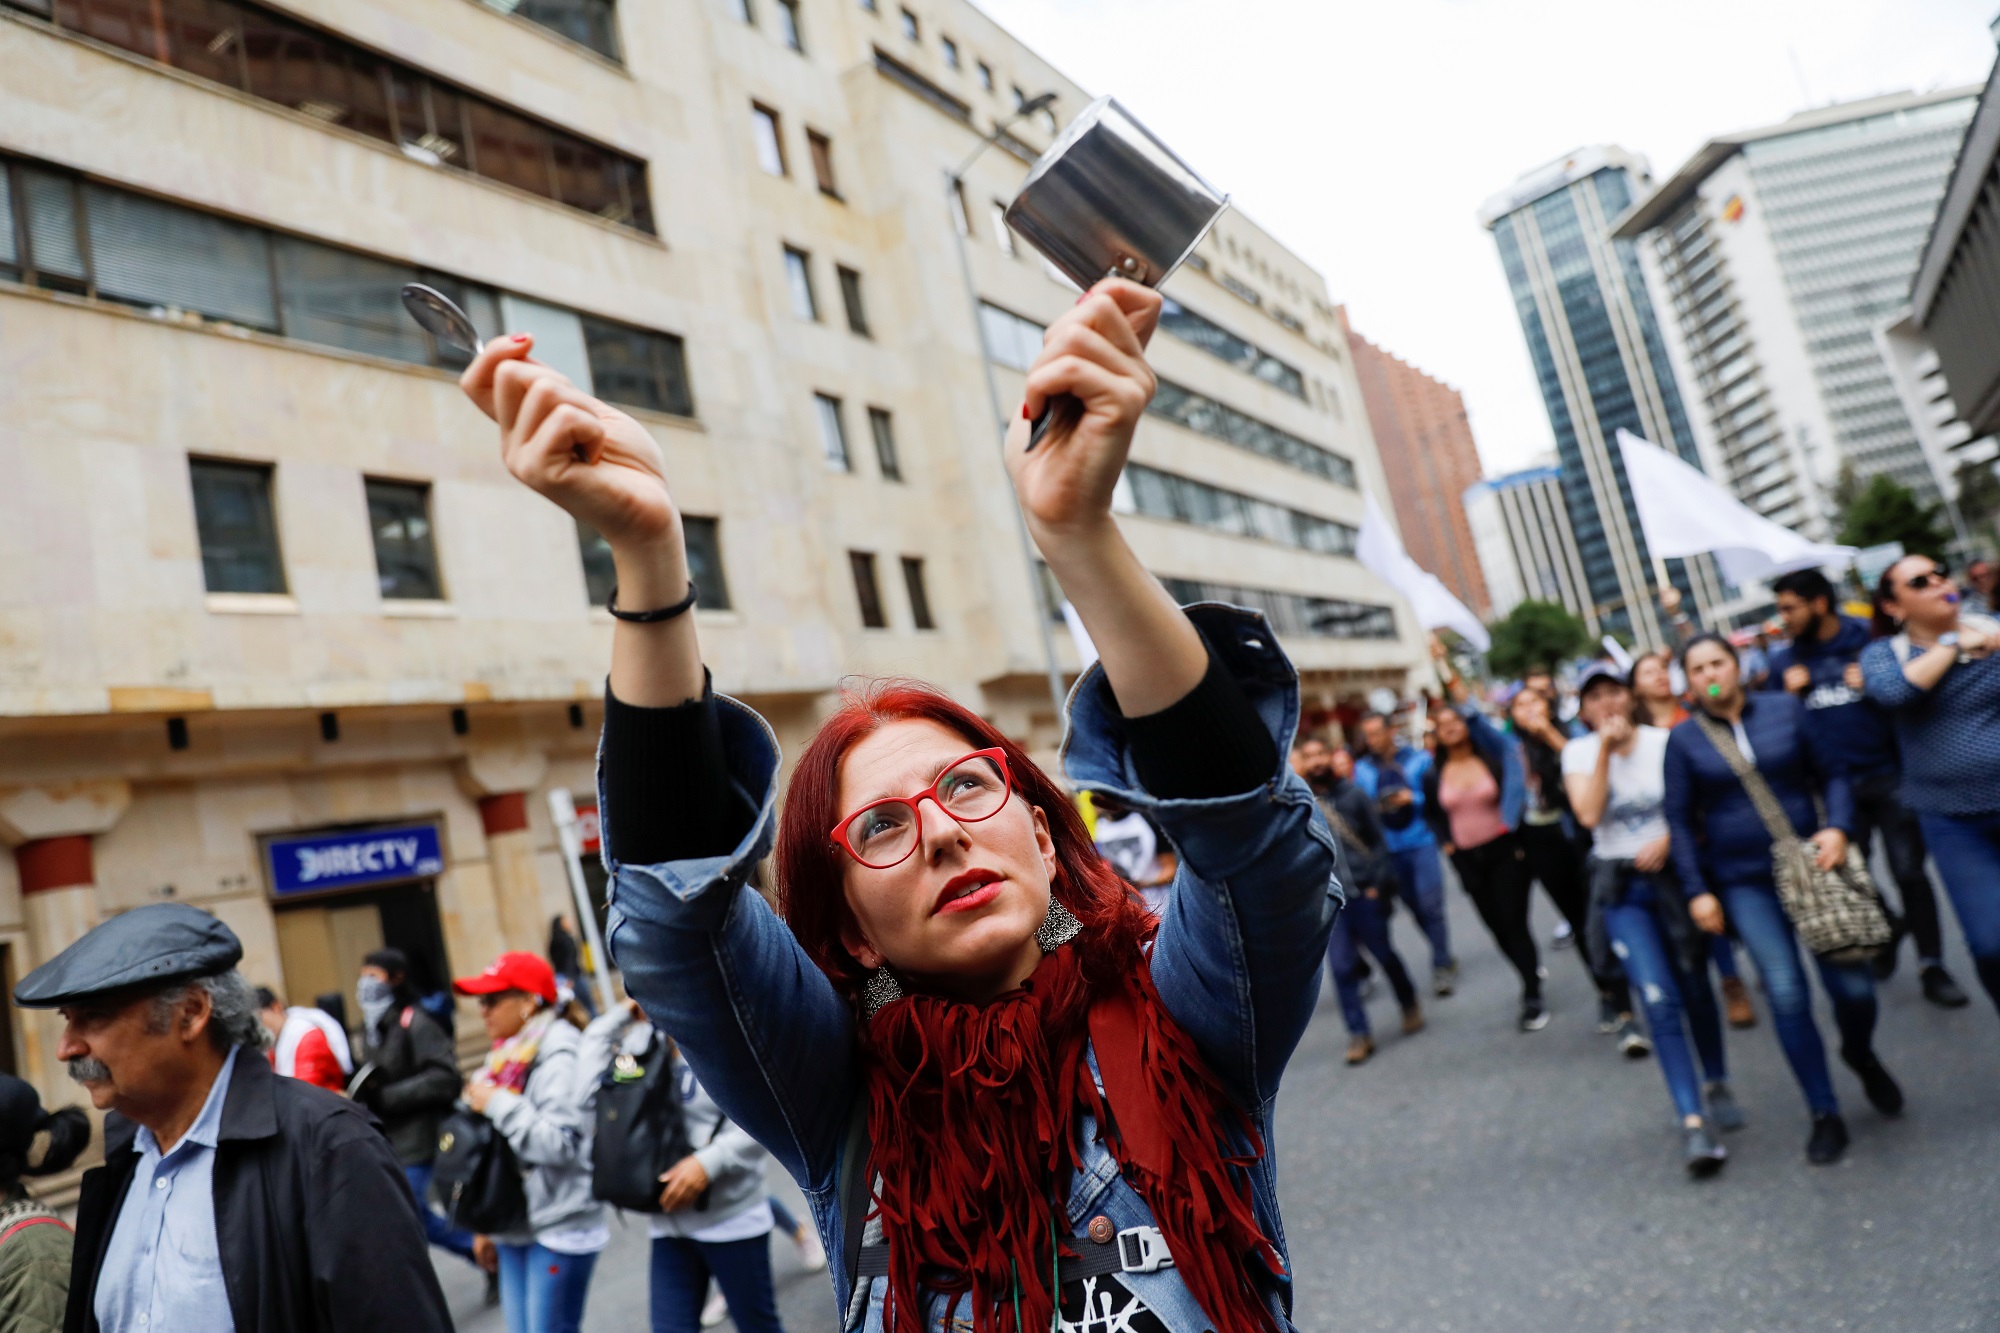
415, 1082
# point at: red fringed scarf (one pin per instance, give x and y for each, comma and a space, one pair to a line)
973, 1118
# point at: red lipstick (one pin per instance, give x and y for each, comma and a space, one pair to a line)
967, 890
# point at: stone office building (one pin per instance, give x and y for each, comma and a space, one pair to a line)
278, 634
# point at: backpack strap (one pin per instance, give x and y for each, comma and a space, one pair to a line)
855, 1169
25, 1223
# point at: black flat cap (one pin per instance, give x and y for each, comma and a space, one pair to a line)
153, 946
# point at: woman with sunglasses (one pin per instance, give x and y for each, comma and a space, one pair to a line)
1722, 853
1011, 1093
1935, 668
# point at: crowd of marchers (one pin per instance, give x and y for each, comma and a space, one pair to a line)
1691, 803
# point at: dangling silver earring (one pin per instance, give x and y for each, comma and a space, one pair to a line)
1058, 928
882, 989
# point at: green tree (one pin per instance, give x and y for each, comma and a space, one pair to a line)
1887, 511
1536, 634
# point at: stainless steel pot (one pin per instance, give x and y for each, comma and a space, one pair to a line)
1109, 198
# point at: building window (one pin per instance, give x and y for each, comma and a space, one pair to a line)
769, 138
1003, 235
1219, 421
591, 23
743, 12
1292, 613
1158, 494
1010, 339
638, 367
920, 601
237, 530
179, 263
832, 432
272, 56
883, 427
399, 516
1020, 98
788, 24
950, 49
798, 279
961, 216
870, 6
910, 28
1212, 338
703, 537
850, 296
986, 76
600, 574
822, 156
867, 592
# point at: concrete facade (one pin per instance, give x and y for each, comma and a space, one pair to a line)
1429, 456
156, 735
1520, 527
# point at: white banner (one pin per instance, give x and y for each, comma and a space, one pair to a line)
1381, 551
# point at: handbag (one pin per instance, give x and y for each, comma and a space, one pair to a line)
641, 1130
476, 1179
1837, 913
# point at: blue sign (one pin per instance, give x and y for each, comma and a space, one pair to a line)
354, 860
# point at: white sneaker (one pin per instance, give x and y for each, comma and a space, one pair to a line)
716, 1310
812, 1256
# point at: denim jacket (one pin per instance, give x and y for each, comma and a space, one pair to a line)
1236, 962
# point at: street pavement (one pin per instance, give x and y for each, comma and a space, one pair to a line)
1474, 1178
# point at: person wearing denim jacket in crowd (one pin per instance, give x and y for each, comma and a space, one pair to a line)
1937, 671
1392, 775
1475, 792
949, 926
1722, 854
1822, 666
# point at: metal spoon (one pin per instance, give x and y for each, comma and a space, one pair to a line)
441, 317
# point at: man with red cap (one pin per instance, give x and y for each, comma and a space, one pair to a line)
530, 1089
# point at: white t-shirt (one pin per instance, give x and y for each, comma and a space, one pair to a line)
1635, 811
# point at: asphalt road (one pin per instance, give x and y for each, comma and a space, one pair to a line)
1475, 1178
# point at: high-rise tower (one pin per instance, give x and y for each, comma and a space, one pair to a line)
1601, 364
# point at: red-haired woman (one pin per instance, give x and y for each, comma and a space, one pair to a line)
1011, 1097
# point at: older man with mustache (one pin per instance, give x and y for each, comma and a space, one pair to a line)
230, 1198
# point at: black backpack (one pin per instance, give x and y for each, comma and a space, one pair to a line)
476, 1179
641, 1130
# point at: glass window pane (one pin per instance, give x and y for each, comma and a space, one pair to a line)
788, 24
850, 295
558, 334
798, 277
770, 144
588, 178
920, 599
1003, 235
832, 433
505, 147
591, 23
155, 254
883, 427
638, 367
10, 253
822, 156
399, 515
236, 528
600, 574
480, 304
866, 591
342, 299
704, 553
52, 244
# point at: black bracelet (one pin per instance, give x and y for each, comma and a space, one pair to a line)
649, 617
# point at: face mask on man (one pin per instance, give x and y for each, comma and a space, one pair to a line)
377, 998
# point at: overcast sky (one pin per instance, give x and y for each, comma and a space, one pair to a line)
1365, 135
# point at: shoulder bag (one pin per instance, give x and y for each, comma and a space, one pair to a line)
1837, 913
477, 1178
641, 1130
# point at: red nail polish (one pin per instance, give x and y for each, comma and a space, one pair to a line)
1026, 415
519, 338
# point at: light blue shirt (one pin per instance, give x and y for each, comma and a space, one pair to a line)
162, 1272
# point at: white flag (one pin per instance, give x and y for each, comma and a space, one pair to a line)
1685, 513
1381, 551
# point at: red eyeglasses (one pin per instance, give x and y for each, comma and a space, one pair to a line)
883, 833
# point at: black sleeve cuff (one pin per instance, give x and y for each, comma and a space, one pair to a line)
1208, 743
667, 782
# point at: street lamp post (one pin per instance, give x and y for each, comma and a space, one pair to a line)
954, 188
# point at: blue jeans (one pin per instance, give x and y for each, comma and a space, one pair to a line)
783, 1217
436, 1230
1421, 871
1669, 996
1723, 954
1967, 851
542, 1291
1761, 924
742, 1268
1363, 924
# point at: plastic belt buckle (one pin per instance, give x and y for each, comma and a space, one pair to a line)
1143, 1250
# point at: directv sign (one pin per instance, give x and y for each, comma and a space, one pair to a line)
354, 860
